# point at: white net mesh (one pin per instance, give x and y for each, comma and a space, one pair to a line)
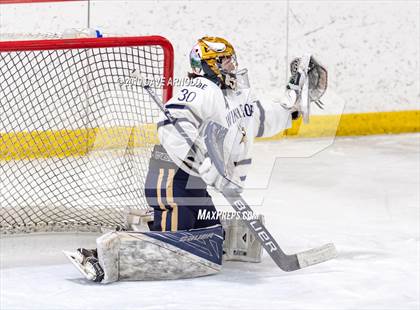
74, 140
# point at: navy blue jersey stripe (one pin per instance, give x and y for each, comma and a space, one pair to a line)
243, 162
184, 107
262, 119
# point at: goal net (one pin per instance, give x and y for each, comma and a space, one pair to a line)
77, 129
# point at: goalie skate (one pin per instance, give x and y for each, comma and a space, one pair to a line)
88, 266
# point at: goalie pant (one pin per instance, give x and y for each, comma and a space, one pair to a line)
176, 196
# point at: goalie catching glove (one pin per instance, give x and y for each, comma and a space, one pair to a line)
211, 176
308, 83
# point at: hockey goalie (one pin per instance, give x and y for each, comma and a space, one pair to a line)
219, 113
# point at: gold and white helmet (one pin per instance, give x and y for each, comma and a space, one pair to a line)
215, 59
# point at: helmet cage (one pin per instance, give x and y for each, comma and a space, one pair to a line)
215, 58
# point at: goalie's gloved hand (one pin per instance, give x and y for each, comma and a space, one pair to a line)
297, 78
212, 177
317, 78
294, 86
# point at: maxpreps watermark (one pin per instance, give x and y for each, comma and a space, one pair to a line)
135, 79
204, 214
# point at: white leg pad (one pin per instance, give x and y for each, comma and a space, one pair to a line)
108, 246
240, 244
135, 256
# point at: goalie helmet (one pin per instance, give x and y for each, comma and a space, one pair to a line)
215, 59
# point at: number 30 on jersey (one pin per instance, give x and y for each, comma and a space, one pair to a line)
186, 95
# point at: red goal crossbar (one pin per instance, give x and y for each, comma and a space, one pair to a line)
63, 44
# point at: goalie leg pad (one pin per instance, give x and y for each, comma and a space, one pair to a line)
160, 255
240, 244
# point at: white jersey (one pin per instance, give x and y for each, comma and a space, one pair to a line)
244, 116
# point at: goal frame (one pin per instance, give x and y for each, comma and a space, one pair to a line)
63, 44
80, 43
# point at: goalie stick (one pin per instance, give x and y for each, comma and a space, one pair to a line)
284, 261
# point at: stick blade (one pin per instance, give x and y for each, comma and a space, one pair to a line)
316, 255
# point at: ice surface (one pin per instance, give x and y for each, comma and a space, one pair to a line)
361, 193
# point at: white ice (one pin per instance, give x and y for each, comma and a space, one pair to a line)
361, 193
